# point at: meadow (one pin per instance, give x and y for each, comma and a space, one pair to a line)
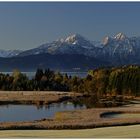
108, 132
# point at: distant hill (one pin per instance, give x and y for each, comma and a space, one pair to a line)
56, 62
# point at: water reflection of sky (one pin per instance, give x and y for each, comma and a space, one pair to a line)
31, 112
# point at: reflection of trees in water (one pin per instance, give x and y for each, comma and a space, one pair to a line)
39, 107
39, 104
65, 104
80, 102
93, 101
87, 101
58, 105
6, 105
47, 107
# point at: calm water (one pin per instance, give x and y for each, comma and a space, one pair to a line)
32, 74
121, 115
15, 113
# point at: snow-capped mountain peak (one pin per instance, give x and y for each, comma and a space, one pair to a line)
106, 40
75, 38
120, 36
73, 44
9, 53
117, 48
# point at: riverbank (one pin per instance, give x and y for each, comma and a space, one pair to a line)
108, 132
79, 119
35, 97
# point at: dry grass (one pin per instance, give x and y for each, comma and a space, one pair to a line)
79, 119
108, 132
34, 97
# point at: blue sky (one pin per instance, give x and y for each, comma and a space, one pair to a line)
25, 25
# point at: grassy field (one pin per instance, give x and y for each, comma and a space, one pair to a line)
108, 132
35, 97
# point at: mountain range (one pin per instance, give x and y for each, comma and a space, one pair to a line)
75, 52
9, 53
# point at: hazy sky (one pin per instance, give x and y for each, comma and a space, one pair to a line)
28, 25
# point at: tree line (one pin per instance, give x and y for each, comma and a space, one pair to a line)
113, 81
